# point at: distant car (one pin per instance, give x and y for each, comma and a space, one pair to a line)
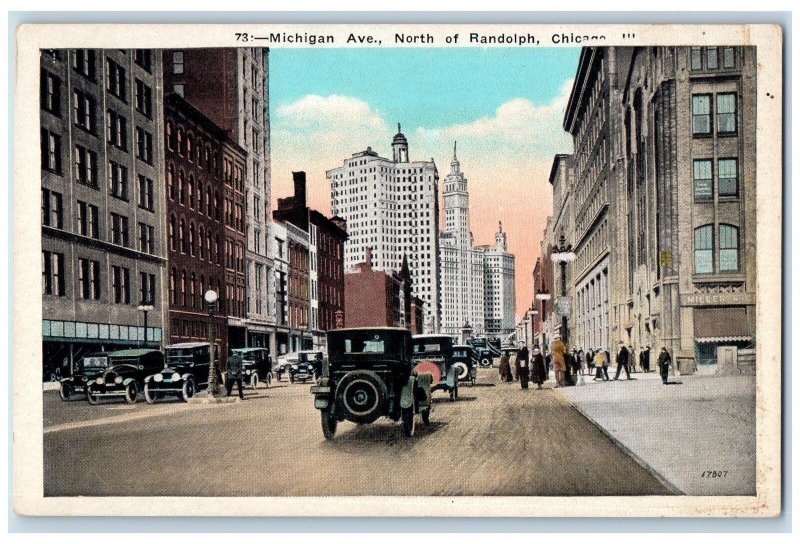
87, 370
464, 364
308, 366
185, 373
485, 350
256, 366
125, 374
433, 353
283, 365
370, 375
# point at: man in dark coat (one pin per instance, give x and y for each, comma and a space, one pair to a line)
505, 367
523, 367
590, 361
234, 374
644, 359
538, 367
664, 360
623, 360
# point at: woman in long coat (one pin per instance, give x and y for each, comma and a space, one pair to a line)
505, 367
559, 362
538, 368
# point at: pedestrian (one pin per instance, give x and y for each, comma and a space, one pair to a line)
234, 374
538, 368
505, 367
601, 365
559, 362
623, 360
523, 367
576, 364
580, 357
631, 359
664, 360
644, 359
590, 361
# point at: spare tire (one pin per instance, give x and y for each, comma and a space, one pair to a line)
362, 395
461, 371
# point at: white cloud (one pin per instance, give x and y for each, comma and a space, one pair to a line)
325, 113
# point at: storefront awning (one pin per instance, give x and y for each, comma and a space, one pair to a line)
721, 325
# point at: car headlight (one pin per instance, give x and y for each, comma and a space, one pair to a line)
83, 378
247, 372
100, 381
176, 377
294, 367
158, 377
118, 380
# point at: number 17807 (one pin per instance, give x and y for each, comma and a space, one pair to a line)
714, 474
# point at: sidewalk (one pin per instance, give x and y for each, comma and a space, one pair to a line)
706, 423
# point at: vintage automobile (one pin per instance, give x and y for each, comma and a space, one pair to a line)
283, 365
87, 370
485, 350
308, 366
185, 372
256, 366
433, 354
370, 375
125, 374
465, 364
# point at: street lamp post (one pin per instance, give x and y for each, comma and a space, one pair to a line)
145, 309
543, 296
211, 301
563, 254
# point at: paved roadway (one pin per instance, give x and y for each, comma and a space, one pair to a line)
496, 440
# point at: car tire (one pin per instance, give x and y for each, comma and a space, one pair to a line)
362, 394
131, 392
486, 362
187, 391
65, 391
461, 371
409, 421
426, 416
328, 423
149, 395
254, 380
92, 399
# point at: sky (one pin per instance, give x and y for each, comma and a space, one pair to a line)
504, 106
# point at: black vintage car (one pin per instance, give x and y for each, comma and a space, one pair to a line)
434, 353
465, 364
87, 370
125, 374
308, 366
485, 350
256, 366
370, 375
185, 372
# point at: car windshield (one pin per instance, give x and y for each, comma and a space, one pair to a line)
479, 343
95, 362
364, 342
460, 353
247, 355
429, 346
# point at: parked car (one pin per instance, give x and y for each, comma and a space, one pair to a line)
433, 353
284, 364
125, 374
308, 366
87, 370
370, 375
465, 364
485, 350
256, 366
185, 373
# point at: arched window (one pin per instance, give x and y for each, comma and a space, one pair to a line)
190, 191
193, 291
704, 250
181, 144
170, 137
728, 248
208, 158
183, 288
181, 187
182, 235
172, 240
217, 212
217, 250
173, 285
201, 202
190, 147
192, 248
209, 202
202, 287
171, 181
201, 241
208, 246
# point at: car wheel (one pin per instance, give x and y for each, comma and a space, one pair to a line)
460, 370
409, 421
254, 380
187, 391
328, 423
131, 392
65, 391
92, 398
149, 395
426, 416
486, 362
362, 395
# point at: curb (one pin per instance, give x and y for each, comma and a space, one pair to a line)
214, 400
641, 462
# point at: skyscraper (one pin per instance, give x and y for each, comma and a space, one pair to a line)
392, 206
499, 287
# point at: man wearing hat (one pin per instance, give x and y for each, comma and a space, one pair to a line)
538, 367
623, 359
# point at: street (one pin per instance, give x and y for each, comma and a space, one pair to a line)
497, 439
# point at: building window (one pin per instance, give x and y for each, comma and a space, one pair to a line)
88, 220
51, 151
726, 113
146, 238
728, 57
144, 145
50, 93
728, 248
173, 240
182, 236
146, 193
85, 166
84, 63
52, 209
697, 58
171, 182
115, 80
117, 180
701, 114
728, 171
117, 128
173, 286
120, 284
170, 137
89, 279
181, 187
52, 273
144, 99
83, 106
147, 288
119, 229
144, 58
712, 62
703, 181
704, 250
177, 62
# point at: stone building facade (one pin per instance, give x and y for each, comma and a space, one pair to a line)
103, 217
499, 288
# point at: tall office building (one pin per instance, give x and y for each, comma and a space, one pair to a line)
231, 87
499, 287
103, 203
392, 206
462, 264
